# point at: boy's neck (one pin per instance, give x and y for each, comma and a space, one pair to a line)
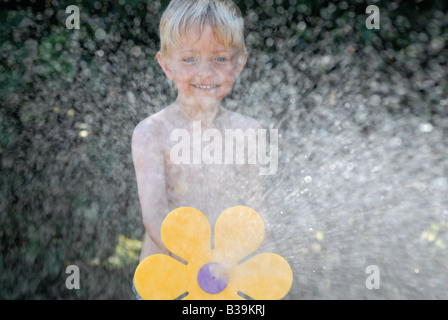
205, 115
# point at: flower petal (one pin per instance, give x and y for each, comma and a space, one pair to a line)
161, 277
239, 231
186, 232
267, 276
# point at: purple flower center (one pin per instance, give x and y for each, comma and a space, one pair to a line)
212, 279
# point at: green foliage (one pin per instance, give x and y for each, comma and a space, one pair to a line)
127, 252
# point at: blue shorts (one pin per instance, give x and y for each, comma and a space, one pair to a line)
137, 296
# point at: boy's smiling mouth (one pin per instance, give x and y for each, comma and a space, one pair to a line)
213, 86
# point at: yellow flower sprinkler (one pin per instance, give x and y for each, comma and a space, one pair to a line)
213, 273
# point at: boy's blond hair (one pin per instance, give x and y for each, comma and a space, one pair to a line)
224, 17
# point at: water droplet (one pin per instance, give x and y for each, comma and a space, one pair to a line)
301, 26
100, 34
326, 60
83, 133
395, 142
436, 45
269, 42
425, 127
375, 100
136, 51
131, 97
319, 235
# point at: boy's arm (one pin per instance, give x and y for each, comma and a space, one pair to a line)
149, 164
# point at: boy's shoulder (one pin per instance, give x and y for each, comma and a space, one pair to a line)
157, 120
150, 127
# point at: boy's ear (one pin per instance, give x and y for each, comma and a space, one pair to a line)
163, 62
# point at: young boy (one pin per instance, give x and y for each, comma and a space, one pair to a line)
202, 53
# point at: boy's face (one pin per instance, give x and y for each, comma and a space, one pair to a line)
202, 69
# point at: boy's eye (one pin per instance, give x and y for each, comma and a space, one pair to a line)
189, 59
222, 59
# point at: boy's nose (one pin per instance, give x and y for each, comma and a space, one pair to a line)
206, 68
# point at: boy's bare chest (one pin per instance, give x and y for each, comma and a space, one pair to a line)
209, 188
203, 175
